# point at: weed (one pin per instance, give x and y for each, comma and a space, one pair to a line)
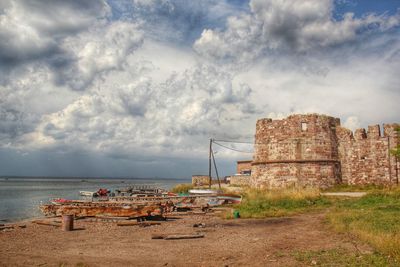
182, 188
275, 203
341, 257
373, 218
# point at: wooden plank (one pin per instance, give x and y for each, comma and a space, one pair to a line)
173, 237
112, 217
134, 223
6, 227
177, 236
42, 222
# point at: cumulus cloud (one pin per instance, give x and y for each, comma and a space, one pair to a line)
97, 51
286, 26
154, 80
174, 20
352, 123
32, 30
172, 117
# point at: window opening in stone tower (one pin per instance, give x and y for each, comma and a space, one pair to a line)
304, 126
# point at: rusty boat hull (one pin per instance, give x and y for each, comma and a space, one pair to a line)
103, 209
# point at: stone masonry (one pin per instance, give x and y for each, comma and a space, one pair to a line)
314, 150
243, 166
199, 180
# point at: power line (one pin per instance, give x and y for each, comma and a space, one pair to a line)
230, 141
293, 141
227, 147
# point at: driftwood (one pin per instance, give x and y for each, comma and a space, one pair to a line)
185, 213
142, 224
177, 236
6, 227
12, 226
43, 222
112, 217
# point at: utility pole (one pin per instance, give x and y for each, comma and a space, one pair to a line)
397, 171
389, 163
209, 164
216, 169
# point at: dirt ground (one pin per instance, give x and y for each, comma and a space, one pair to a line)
237, 242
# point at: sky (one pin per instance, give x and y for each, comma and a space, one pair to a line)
136, 88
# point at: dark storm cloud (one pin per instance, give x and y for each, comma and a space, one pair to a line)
31, 30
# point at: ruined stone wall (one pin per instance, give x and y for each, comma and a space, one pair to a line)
314, 150
365, 157
241, 180
199, 180
301, 150
243, 165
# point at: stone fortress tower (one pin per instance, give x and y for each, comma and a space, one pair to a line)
314, 150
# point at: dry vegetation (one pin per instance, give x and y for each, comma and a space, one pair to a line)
276, 203
373, 218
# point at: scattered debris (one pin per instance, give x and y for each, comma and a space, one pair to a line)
11, 226
6, 227
49, 223
134, 223
177, 236
200, 225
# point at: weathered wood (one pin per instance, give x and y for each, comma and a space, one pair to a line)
42, 222
112, 217
177, 236
145, 224
172, 237
6, 227
104, 209
134, 223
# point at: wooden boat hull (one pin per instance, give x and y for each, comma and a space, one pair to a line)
102, 210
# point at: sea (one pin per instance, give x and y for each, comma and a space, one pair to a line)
20, 197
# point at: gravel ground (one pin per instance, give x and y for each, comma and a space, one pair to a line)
238, 242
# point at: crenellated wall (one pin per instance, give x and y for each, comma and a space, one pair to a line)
314, 150
365, 156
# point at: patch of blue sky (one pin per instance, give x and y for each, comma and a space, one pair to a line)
361, 8
180, 21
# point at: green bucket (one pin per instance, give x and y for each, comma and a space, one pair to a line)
236, 214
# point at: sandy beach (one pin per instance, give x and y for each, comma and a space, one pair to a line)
235, 242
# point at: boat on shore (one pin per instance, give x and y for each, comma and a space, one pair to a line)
88, 193
203, 191
91, 209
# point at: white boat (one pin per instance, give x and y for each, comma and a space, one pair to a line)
88, 193
202, 191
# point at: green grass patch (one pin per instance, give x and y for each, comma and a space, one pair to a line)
276, 203
340, 257
354, 188
374, 218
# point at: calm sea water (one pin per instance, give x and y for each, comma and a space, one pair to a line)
20, 197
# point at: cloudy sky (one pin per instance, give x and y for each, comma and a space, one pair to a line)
137, 87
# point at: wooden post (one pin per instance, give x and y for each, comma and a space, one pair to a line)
397, 171
390, 165
216, 170
67, 223
209, 164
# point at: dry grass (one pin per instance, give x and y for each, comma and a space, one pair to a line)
374, 218
182, 188
276, 203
